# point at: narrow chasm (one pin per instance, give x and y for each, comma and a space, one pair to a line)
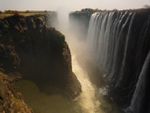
88, 61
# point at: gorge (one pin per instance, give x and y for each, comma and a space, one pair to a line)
118, 42
88, 61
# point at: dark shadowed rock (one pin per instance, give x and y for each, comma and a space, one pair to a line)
39, 53
79, 22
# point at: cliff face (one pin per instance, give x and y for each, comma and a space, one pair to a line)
39, 53
79, 22
10, 100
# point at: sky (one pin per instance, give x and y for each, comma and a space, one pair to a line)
70, 4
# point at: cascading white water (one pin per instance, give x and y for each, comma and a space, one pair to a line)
141, 86
119, 44
104, 35
87, 100
138, 95
112, 42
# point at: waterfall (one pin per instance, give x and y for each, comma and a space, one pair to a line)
87, 100
141, 87
119, 42
104, 35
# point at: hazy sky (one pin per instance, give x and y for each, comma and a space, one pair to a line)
70, 4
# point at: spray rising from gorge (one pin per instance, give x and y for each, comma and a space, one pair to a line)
88, 61
87, 99
112, 38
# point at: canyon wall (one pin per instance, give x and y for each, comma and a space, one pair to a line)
10, 100
79, 22
31, 47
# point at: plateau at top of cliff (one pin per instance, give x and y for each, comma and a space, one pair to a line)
9, 13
